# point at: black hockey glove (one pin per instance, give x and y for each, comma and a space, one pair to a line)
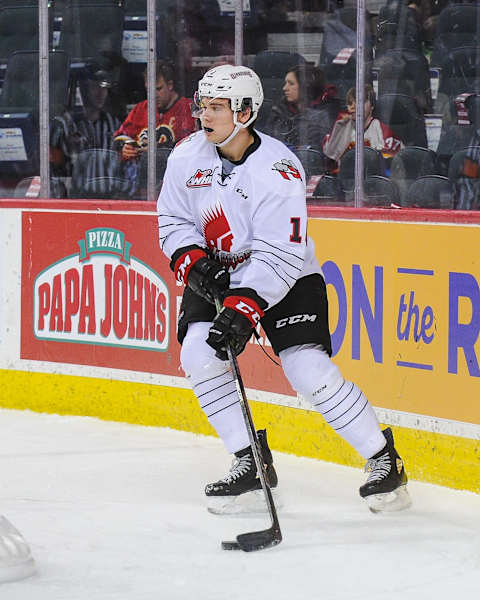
203, 275
235, 322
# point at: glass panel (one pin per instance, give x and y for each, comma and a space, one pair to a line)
422, 64
83, 161
422, 74
304, 52
19, 99
99, 140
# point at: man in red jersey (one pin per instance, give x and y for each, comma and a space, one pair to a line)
174, 118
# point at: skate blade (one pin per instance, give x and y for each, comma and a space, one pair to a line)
17, 571
394, 501
248, 503
16, 560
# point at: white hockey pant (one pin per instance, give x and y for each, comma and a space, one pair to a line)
344, 406
310, 372
214, 386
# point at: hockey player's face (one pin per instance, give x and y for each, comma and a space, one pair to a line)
216, 118
291, 88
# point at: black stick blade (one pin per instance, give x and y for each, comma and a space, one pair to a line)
231, 545
259, 540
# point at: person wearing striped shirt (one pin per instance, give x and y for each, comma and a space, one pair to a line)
84, 128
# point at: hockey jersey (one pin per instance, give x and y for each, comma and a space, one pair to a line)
172, 125
377, 135
253, 219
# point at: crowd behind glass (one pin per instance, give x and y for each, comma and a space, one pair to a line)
422, 96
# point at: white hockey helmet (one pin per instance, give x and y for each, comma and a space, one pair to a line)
238, 84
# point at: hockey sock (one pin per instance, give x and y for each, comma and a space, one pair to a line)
218, 398
214, 386
343, 405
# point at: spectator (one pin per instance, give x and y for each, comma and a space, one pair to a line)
468, 184
307, 111
377, 135
174, 118
86, 127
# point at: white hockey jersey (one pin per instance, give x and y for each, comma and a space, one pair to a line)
254, 220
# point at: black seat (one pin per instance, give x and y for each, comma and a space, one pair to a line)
328, 190
161, 159
460, 71
312, 160
374, 164
92, 32
452, 139
19, 108
397, 27
457, 26
466, 189
20, 88
98, 173
264, 114
19, 27
135, 7
339, 32
431, 191
472, 104
410, 163
405, 72
403, 116
380, 191
272, 66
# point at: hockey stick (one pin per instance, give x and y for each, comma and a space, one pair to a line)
266, 538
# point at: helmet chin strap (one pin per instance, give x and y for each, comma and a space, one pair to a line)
236, 129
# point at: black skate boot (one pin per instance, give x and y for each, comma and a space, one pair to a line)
231, 494
386, 485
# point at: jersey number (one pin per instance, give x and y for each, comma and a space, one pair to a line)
295, 237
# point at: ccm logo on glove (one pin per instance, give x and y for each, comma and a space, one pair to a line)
246, 306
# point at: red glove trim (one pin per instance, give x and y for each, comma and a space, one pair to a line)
245, 306
185, 262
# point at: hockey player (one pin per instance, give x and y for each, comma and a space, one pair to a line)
232, 219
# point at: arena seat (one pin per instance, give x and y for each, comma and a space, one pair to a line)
431, 191
410, 163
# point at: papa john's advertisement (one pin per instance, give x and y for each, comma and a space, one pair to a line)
95, 292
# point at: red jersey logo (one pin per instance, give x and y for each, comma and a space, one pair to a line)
200, 179
216, 229
287, 169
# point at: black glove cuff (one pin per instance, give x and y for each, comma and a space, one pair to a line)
176, 255
248, 293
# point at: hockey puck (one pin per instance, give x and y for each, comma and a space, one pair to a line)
232, 545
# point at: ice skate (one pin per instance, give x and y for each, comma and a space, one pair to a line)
386, 485
240, 491
16, 560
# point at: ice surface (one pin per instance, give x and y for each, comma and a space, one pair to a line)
116, 512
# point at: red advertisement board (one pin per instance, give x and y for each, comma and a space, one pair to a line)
97, 290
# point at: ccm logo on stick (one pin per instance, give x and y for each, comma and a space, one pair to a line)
295, 319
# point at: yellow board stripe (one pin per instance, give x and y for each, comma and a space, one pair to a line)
432, 457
